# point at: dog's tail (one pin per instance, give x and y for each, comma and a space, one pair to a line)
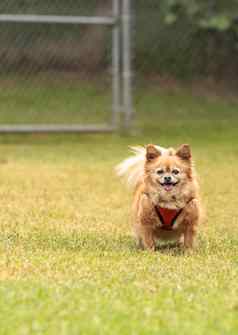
132, 168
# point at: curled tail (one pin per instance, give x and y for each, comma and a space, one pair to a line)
132, 168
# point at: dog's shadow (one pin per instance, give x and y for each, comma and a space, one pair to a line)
173, 248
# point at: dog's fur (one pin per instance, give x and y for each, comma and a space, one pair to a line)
148, 172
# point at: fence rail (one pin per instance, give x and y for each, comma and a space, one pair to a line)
61, 19
57, 128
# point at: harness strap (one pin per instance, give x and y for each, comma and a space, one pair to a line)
167, 216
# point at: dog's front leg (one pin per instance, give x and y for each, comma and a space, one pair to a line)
189, 236
147, 238
145, 224
191, 223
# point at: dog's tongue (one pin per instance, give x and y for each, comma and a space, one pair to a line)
168, 187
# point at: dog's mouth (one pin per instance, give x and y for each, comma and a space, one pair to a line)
168, 186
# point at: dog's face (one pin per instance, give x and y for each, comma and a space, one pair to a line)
169, 173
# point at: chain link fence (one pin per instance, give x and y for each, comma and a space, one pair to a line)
65, 65
63, 73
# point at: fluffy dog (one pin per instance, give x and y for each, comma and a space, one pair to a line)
166, 202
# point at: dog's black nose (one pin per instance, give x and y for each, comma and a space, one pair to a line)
167, 179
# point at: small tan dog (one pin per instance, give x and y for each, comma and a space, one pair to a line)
166, 203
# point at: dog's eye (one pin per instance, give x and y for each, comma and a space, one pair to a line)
160, 171
175, 171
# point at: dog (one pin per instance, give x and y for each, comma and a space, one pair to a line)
166, 202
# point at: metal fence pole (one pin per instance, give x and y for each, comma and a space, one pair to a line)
126, 63
116, 65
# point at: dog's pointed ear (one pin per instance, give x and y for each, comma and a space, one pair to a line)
184, 152
152, 152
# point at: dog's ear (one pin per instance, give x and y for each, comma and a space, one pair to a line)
184, 152
152, 152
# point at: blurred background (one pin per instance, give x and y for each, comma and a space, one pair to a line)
68, 260
60, 74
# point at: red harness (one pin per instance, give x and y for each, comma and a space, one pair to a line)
167, 216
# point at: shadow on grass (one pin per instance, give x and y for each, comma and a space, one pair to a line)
170, 248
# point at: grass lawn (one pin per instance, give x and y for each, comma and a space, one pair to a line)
68, 262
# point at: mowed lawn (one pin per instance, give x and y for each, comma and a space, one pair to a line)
68, 262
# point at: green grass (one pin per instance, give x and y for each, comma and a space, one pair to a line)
68, 263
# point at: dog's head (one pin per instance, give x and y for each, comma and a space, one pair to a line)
168, 173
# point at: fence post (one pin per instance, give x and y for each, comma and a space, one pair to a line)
116, 65
126, 64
